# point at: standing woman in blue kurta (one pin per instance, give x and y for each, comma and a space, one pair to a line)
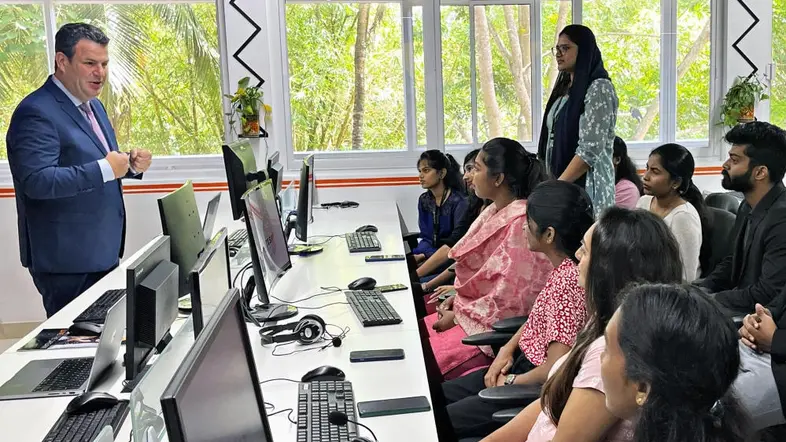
577, 138
442, 206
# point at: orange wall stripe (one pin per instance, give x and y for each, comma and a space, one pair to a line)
326, 183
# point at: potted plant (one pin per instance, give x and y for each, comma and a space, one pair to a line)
246, 103
741, 99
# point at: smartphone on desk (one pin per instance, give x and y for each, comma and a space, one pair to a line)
392, 354
389, 407
378, 258
390, 288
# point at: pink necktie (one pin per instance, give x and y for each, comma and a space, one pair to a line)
94, 123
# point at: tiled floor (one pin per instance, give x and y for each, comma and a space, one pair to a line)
5, 343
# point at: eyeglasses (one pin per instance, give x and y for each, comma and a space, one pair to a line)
560, 49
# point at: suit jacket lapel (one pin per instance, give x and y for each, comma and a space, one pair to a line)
76, 114
740, 254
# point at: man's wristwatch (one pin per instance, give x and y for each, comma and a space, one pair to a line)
510, 379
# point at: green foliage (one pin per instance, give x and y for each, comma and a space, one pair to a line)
778, 86
246, 102
163, 92
740, 99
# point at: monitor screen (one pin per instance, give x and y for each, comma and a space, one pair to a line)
210, 279
180, 220
312, 190
288, 199
215, 395
239, 161
269, 241
304, 199
210, 216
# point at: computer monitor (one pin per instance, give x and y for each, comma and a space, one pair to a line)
151, 303
210, 279
180, 221
275, 172
210, 216
242, 173
269, 252
305, 198
215, 394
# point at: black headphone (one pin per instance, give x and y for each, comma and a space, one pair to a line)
308, 330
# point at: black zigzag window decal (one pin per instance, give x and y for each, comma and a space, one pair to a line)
236, 55
744, 34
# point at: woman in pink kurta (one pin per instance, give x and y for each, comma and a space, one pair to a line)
497, 276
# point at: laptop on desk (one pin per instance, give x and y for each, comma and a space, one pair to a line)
70, 376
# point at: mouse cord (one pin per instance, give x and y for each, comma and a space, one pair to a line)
273, 407
325, 291
278, 380
289, 415
323, 306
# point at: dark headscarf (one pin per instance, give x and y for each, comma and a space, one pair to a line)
589, 67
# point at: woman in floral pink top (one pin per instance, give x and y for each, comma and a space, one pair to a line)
559, 213
622, 248
497, 277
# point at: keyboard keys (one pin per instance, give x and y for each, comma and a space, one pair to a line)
97, 311
362, 242
315, 402
68, 375
84, 427
371, 308
237, 239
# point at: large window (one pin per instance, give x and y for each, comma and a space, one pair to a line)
23, 63
778, 87
163, 92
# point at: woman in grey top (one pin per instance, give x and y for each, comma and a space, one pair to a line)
577, 138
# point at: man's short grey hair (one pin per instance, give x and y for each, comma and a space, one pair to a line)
69, 35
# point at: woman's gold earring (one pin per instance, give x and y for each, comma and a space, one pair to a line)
640, 399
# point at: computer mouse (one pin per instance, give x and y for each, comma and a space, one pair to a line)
85, 329
91, 401
364, 283
367, 228
324, 373
360, 439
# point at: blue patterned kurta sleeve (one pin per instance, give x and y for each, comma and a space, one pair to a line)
596, 142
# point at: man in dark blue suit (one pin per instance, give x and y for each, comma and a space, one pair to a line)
67, 167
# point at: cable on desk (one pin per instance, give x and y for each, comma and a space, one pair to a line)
323, 306
326, 291
278, 379
329, 237
289, 415
240, 274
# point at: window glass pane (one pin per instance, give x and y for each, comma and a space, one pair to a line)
503, 65
23, 62
164, 91
346, 80
693, 69
778, 88
628, 35
456, 74
555, 15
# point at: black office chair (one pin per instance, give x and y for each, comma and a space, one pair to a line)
723, 200
722, 243
501, 333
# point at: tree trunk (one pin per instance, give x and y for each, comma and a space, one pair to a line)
562, 20
520, 82
654, 108
486, 72
360, 87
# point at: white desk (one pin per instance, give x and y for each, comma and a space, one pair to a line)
30, 420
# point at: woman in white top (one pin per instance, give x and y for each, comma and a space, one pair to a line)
669, 192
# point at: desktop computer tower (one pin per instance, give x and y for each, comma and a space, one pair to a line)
156, 303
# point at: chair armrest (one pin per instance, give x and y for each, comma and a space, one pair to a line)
493, 339
505, 416
511, 394
510, 325
411, 238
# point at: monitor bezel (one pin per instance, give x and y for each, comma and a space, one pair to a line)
204, 260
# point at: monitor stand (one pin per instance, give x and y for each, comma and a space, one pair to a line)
269, 312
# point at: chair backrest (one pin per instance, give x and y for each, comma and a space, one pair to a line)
722, 243
723, 200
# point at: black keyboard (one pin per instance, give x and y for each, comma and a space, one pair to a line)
315, 401
68, 375
362, 242
85, 427
237, 239
98, 310
371, 307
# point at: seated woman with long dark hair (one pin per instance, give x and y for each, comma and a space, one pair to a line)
497, 277
558, 215
623, 247
442, 206
671, 357
628, 186
671, 194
